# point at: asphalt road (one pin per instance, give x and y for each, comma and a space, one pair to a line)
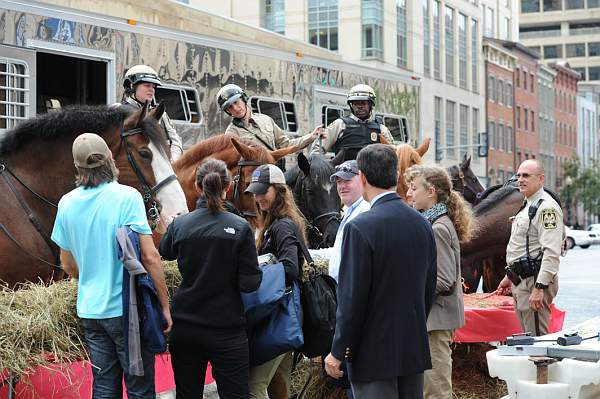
579, 285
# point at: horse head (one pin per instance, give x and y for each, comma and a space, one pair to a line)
142, 156
407, 157
464, 180
316, 198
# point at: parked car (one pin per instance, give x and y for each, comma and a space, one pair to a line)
582, 238
594, 227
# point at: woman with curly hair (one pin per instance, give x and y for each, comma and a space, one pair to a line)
281, 229
430, 192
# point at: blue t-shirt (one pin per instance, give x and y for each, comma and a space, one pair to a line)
86, 225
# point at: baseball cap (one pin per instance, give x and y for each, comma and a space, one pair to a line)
345, 171
86, 145
263, 177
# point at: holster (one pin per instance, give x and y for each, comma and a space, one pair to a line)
512, 275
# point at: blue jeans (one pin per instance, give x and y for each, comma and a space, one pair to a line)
106, 346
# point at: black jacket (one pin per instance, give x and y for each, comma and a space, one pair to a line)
386, 288
280, 240
217, 259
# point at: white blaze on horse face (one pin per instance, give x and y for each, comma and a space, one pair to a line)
170, 196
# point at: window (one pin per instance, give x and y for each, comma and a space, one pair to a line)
533, 121
531, 83
530, 6
435, 15
282, 112
14, 92
450, 110
593, 3
372, 29
525, 80
518, 76
274, 16
525, 122
552, 5
323, 23
449, 44
332, 113
181, 101
500, 137
500, 92
474, 57
475, 132
489, 22
464, 131
509, 95
462, 50
426, 38
553, 51
594, 73
437, 114
509, 138
574, 4
398, 126
506, 34
500, 178
594, 49
402, 36
576, 50
492, 134
518, 115
491, 89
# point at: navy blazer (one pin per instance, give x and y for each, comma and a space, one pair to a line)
386, 287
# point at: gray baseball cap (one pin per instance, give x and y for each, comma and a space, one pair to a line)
345, 171
263, 177
86, 145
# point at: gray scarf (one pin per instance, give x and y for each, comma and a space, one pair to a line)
435, 212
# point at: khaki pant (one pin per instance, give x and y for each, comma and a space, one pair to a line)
438, 380
524, 313
261, 376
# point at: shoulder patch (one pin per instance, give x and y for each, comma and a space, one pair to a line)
549, 219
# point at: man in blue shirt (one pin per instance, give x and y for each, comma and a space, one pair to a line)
85, 230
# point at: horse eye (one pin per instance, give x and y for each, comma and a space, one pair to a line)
145, 154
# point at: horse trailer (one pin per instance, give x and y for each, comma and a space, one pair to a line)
53, 55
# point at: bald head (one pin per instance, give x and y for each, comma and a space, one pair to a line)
536, 164
530, 177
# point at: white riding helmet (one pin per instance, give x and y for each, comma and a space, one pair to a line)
138, 74
362, 92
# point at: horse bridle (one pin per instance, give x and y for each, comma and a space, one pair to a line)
465, 186
237, 189
152, 206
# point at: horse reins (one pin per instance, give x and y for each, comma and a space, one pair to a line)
153, 213
4, 171
465, 187
237, 189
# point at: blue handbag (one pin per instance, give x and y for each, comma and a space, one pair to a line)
261, 303
281, 332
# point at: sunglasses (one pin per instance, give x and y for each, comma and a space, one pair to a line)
526, 175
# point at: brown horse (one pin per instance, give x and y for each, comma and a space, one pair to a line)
242, 156
36, 170
465, 182
407, 157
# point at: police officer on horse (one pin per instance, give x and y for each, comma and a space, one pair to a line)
140, 83
359, 129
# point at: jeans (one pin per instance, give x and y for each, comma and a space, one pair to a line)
105, 341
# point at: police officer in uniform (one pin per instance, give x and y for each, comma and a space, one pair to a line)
532, 271
353, 132
140, 84
258, 127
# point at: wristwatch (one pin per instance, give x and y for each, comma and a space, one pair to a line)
540, 286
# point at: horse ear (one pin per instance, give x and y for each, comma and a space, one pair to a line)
303, 164
422, 149
142, 114
383, 140
245, 150
339, 158
282, 152
158, 112
466, 162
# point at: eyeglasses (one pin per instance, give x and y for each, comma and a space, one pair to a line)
345, 169
526, 175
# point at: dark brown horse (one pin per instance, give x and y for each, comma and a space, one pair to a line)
36, 166
465, 182
242, 156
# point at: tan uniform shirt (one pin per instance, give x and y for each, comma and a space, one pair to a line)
174, 139
259, 127
336, 129
545, 235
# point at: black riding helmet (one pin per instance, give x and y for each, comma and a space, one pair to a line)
228, 94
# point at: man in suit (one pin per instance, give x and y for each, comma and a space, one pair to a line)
386, 288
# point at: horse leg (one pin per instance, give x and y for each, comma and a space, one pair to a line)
493, 272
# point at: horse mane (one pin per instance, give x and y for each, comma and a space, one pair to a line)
216, 144
320, 170
493, 197
74, 120
407, 157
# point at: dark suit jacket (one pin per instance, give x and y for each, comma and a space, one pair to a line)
386, 287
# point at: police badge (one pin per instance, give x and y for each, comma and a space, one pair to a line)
374, 136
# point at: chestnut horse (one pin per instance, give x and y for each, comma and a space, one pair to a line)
36, 170
407, 157
242, 156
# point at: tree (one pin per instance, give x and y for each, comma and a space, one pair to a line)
581, 186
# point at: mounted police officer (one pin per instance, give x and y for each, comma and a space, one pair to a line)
352, 133
258, 127
140, 84
533, 251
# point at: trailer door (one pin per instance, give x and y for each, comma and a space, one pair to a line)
17, 85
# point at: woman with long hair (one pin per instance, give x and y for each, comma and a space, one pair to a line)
281, 229
430, 192
216, 256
